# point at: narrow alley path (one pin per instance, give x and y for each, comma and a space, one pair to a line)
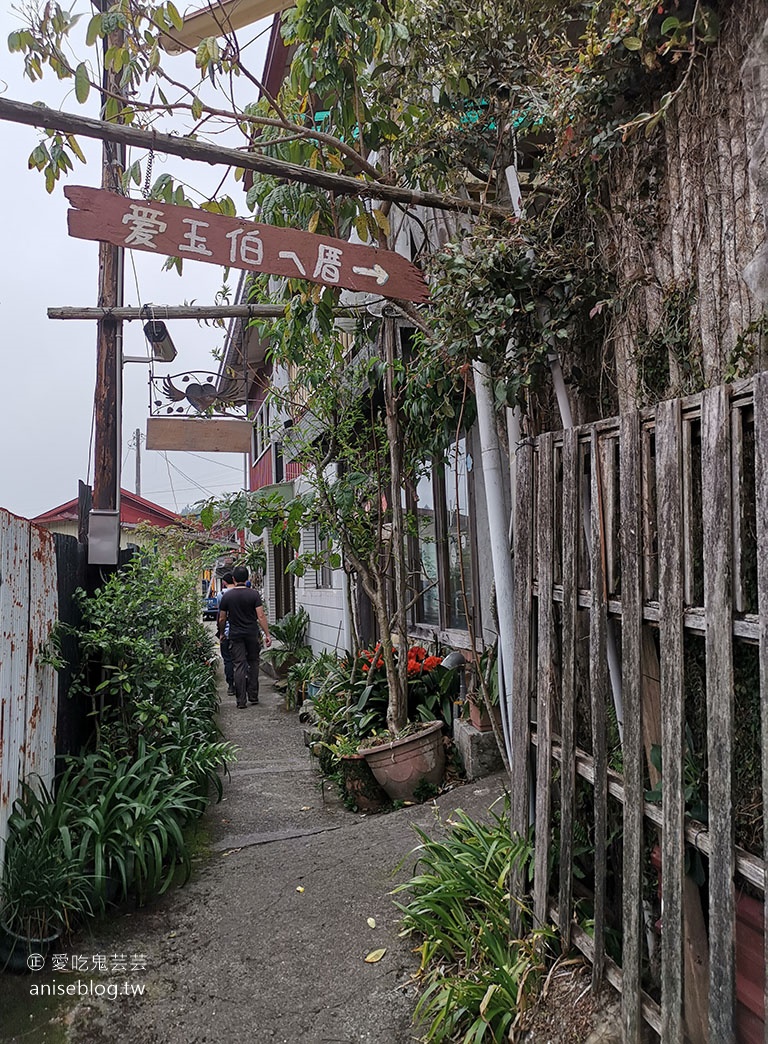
267, 941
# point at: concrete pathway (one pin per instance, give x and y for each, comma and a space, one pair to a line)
267, 941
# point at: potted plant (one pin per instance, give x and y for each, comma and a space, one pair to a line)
405, 763
43, 890
403, 760
298, 678
290, 632
483, 698
358, 782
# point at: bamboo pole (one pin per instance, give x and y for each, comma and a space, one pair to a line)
148, 312
202, 152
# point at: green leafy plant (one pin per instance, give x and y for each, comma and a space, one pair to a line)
291, 630
472, 975
119, 813
291, 633
44, 890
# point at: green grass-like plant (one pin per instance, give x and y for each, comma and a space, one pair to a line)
474, 976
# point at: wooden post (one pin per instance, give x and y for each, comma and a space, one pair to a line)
521, 680
716, 496
761, 507
662, 713
598, 683
571, 529
669, 523
108, 394
545, 684
631, 644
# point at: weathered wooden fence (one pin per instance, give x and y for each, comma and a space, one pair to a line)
28, 688
641, 661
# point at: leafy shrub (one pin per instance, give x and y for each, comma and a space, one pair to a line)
116, 819
458, 904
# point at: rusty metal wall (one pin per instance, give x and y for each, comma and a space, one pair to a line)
28, 688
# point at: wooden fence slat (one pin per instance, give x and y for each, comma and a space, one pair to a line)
761, 488
14, 617
688, 510
42, 682
669, 530
598, 684
545, 686
650, 560
28, 688
716, 497
571, 528
609, 508
522, 674
631, 643
736, 461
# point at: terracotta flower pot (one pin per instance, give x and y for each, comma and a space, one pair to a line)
479, 716
401, 765
360, 784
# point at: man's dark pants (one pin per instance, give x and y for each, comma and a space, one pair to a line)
226, 656
245, 652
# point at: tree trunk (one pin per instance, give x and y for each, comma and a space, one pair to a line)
397, 712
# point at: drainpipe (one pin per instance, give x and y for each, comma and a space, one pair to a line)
503, 573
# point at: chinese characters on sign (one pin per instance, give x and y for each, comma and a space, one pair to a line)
99, 962
182, 232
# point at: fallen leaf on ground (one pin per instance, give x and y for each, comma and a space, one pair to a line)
371, 922
374, 956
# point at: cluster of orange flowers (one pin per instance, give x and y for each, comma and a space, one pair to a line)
418, 661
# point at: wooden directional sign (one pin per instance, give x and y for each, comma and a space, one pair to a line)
195, 234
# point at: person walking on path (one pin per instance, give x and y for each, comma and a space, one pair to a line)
242, 611
227, 581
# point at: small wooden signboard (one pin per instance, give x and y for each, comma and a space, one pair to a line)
139, 224
214, 435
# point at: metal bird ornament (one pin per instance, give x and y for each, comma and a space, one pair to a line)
200, 396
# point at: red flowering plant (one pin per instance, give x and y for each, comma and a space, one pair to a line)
430, 691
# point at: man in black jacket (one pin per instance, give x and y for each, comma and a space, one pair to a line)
242, 610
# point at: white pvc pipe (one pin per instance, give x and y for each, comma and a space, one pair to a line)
503, 574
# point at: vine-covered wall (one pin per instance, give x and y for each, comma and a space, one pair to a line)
684, 231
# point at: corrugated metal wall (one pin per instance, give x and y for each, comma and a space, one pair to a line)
28, 689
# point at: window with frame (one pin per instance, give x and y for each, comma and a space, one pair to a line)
324, 548
425, 566
317, 543
441, 551
261, 431
458, 544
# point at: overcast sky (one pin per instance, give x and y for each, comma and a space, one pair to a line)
47, 366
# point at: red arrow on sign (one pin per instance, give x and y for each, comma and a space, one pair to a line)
185, 232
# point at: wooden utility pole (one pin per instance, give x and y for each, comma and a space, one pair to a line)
104, 537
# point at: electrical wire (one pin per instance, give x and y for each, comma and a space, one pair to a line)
185, 489
203, 489
218, 463
170, 480
91, 444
